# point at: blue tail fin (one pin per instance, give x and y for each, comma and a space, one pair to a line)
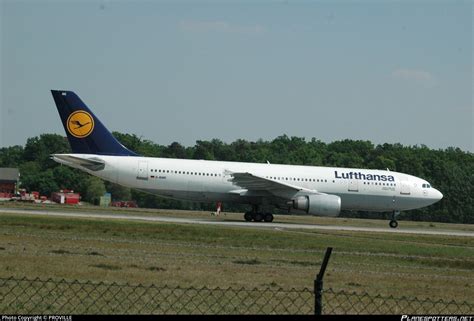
85, 132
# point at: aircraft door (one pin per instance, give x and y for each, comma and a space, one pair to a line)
142, 172
353, 185
405, 188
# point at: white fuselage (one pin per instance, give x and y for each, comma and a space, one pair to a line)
210, 181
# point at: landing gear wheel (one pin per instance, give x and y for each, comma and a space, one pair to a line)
248, 216
258, 217
268, 217
393, 219
393, 224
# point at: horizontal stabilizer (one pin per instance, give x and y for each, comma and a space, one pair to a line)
93, 164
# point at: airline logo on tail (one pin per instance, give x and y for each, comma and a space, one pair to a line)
80, 124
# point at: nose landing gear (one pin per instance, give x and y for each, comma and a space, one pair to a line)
393, 222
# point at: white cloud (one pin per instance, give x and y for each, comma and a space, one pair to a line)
415, 76
219, 26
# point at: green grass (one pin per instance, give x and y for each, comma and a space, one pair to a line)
425, 266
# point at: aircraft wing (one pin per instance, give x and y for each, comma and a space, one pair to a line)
255, 184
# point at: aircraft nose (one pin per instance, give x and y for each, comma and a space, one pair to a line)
437, 195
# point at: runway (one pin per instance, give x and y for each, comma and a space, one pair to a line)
243, 224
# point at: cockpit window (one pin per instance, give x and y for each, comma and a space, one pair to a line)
426, 186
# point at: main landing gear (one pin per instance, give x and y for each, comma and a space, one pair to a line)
256, 215
393, 222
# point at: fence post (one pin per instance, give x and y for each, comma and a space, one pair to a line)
318, 284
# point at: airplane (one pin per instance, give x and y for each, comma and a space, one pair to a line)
313, 190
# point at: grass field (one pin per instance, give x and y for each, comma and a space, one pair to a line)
425, 266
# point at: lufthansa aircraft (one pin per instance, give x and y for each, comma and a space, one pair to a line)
323, 191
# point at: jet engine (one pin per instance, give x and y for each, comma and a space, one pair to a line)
318, 204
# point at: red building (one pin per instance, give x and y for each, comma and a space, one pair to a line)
66, 197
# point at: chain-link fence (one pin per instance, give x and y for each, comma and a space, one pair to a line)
27, 296
36, 296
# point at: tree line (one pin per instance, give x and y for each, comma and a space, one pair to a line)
450, 170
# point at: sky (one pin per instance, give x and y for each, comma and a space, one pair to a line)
384, 71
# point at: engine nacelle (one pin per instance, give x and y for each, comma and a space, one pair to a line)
317, 204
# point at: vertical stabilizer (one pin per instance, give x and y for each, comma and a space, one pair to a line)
85, 132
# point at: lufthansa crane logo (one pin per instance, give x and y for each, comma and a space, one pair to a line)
80, 124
